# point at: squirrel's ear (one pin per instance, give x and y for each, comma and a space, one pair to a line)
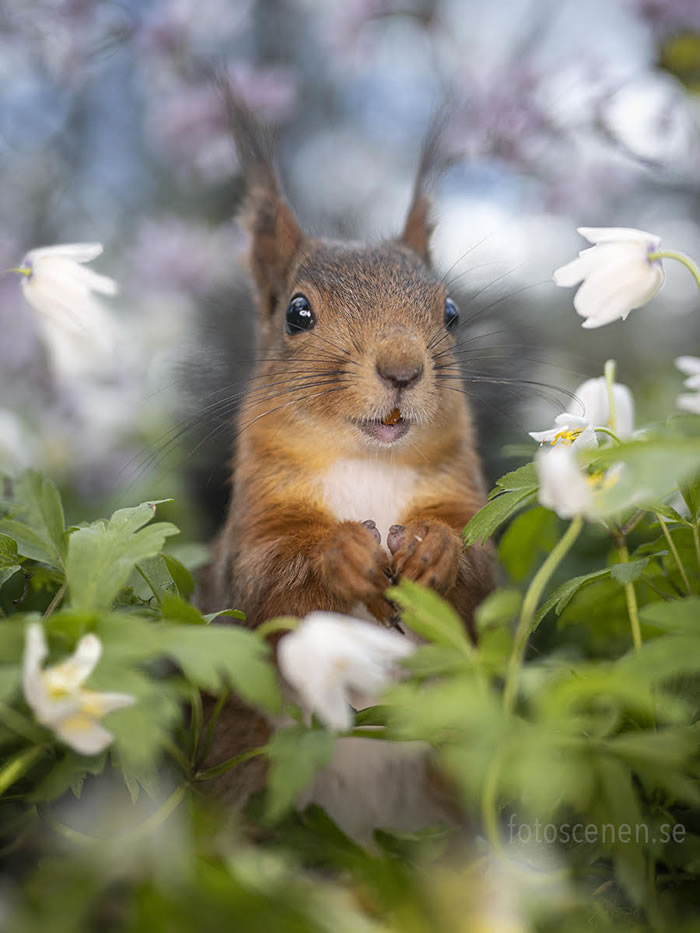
418, 227
275, 234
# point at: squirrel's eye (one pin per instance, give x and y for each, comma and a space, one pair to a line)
299, 315
451, 314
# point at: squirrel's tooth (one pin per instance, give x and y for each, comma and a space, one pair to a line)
393, 417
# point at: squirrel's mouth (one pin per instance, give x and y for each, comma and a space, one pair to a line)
386, 431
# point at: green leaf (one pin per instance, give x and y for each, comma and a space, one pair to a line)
678, 615
653, 466
38, 523
563, 594
9, 558
528, 537
175, 609
629, 572
29, 543
495, 513
153, 579
180, 575
68, 773
524, 478
102, 555
498, 609
215, 657
429, 615
295, 755
234, 613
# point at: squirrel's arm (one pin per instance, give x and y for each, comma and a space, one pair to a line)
293, 558
429, 548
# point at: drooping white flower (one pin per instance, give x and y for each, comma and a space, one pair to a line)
62, 291
616, 272
579, 430
690, 366
593, 393
58, 698
331, 657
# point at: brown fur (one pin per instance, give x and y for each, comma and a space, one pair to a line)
377, 308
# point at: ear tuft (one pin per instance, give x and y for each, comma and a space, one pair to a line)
418, 226
275, 234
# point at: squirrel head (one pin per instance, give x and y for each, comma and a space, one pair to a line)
355, 339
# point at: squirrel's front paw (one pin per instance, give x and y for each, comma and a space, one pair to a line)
352, 563
427, 552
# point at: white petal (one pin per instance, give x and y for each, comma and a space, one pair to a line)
78, 252
689, 403
544, 437
621, 282
586, 440
576, 270
620, 235
624, 410
97, 704
330, 654
563, 486
690, 365
35, 652
84, 734
692, 382
593, 394
74, 671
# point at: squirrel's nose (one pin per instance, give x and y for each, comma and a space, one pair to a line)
399, 375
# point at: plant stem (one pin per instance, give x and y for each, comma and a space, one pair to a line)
489, 802
532, 598
674, 551
197, 720
679, 257
19, 765
55, 601
609, 433
631, 598
229, 763
160, 816
696, 539
211, 726
610, 367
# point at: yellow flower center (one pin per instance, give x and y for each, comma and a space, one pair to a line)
566, 437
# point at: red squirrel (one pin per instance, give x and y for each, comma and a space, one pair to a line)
356, 462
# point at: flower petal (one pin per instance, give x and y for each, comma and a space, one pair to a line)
620, 235
563, 486
35, 652
690, 365
78, 252
83, 734
97, 704
621, 283
70, 674
689, 402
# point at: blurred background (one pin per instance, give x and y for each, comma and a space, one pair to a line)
562, 114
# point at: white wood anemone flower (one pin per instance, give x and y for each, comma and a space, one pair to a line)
690, 367
569, 430
579, 430
568, 489
58, 699
62, 291
617, 273
330, 658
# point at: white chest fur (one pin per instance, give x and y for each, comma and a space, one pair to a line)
357, 490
